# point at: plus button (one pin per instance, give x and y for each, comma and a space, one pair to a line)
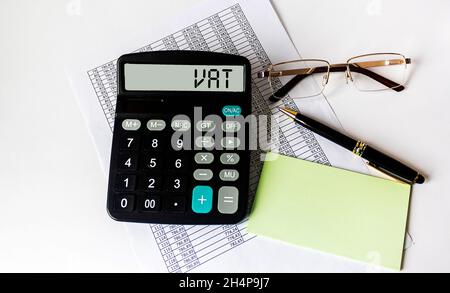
202, 199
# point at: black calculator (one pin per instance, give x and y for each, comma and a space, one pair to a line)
180, 150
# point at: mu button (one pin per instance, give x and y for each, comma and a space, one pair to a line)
202, 199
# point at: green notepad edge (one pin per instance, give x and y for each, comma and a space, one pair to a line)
332, 210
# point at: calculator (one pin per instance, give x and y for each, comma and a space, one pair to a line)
180, 148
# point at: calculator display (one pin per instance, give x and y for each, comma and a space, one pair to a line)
170, 77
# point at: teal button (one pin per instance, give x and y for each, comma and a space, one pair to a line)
202, 199
230, 110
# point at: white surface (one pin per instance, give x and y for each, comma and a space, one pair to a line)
211, 250
53, 190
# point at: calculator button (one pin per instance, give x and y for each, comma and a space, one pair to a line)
178, 144
175, 204
204, 158
181, 125
228, 200
176, 183
229, 158
231, 126
156, 125
206, 142
202, 197
124, 203
151, 183
150, 203
229, 175
154, 142
177, 163
206, 125
125, 182
131, 124
127, 162
231, 142
129, 142
203, 174
231, 110
152, 162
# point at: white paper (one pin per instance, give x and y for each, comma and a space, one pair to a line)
253, 29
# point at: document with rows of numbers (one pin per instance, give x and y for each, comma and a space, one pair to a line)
252, 29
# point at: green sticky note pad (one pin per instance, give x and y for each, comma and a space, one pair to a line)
331, 210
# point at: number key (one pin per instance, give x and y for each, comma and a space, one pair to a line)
125, 182
154, 142
127, 162
151, 183
176, 183
150, 204
124, 203
129, 142
178, 144
177, 163
152, 162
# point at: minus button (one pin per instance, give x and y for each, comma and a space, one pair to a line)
203, 174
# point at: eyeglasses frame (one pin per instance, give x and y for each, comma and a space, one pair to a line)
348, 67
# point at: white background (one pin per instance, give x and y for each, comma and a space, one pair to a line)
52, 188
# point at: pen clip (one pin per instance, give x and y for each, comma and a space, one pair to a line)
391, 175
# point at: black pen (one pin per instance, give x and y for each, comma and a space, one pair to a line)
375, 158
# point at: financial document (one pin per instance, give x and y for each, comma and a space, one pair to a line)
251, 29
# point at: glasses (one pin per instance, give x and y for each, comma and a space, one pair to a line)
369, 72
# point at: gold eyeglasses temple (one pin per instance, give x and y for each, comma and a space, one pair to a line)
377, 63
363, 64
271, 73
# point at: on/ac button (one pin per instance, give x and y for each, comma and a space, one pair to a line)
231, 110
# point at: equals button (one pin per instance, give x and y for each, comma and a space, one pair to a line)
228, 200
